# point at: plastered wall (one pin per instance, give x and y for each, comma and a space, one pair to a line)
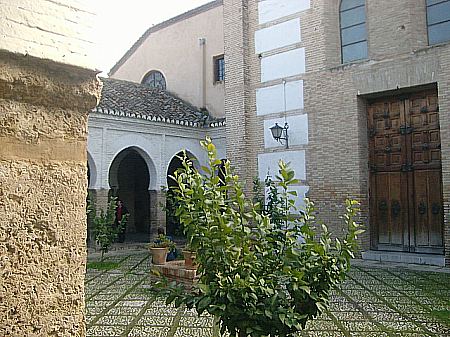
175, 51
43, 134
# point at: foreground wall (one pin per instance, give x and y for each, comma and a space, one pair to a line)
44, 104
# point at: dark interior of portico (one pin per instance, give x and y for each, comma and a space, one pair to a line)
132, 189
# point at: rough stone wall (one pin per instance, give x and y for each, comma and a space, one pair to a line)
334, 96
43, 133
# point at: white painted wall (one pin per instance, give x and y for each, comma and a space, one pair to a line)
156, 142
282, 97
271, 99
269, 10
298, 131
62, 31
268, 163
277, 36
299, 199
283, 65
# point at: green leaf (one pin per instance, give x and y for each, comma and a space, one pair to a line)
203, 304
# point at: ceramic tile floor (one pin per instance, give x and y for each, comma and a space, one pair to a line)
374, 301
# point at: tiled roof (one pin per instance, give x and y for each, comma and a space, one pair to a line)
162, 25
131, 99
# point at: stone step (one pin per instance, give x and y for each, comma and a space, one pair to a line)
401, 257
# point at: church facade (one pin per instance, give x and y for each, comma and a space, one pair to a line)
363, 87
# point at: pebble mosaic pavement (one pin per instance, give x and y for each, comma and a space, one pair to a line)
373, 301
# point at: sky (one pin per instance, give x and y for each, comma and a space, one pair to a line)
120, 23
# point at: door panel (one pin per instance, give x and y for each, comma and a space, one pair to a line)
405, 178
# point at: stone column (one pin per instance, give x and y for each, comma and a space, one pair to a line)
157, 214
43, 132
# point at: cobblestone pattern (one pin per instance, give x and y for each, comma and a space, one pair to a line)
374, 301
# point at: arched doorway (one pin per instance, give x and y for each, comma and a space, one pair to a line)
129, 181
172, 225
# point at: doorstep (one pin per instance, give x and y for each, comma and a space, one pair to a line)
401, 257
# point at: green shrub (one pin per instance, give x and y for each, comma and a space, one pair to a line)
104, 230
256, 276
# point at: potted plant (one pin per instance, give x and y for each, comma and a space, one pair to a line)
189, 257
159, 249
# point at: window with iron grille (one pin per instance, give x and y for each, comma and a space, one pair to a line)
352, 15
219, 68
438, 21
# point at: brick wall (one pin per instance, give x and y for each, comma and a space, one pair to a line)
237, 90
58, 30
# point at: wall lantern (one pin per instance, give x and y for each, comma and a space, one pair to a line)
280, 133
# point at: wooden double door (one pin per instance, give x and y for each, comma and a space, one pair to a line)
406, 209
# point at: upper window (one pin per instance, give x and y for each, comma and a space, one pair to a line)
219, 68
155, 79
353, 30
438, 21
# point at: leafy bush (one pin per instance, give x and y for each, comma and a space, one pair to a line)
163, 241
105, 230
256, 277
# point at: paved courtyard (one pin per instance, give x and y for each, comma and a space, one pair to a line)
374, 301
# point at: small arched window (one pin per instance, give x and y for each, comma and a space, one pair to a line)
353, 30
155, 79
438, 21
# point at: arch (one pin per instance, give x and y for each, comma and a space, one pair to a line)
92, 171
118, 157
155, 79
172, 225
129, 179
353, 29
192, 157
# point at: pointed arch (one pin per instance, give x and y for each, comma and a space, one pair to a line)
92, 171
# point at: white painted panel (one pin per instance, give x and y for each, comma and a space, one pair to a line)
269, 10
271, 99
298, 131
268, 163
282, 65
299, 199
277, 36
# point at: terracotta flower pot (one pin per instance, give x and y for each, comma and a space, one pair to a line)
159, 255
189, 257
